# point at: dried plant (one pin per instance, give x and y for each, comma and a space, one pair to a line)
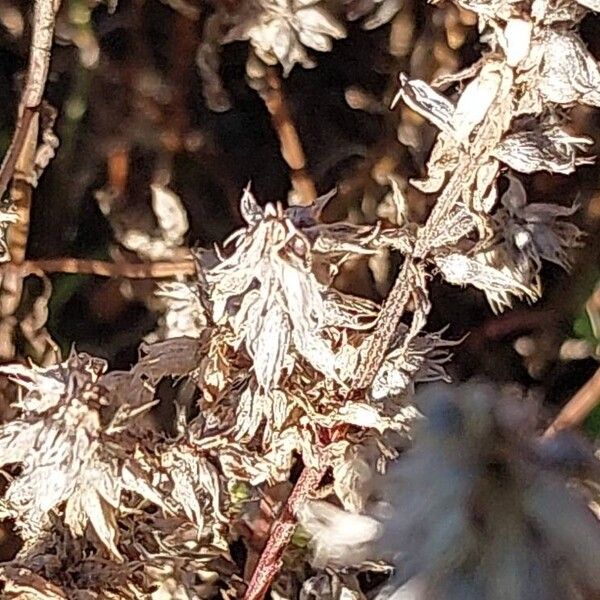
278, 376
280, 29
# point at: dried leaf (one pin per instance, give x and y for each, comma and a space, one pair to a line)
568, 72
475, 101
174, 357
418, 358
550, 149
424, 100
23, 584
497, 284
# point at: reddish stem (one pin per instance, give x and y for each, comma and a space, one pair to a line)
280, 535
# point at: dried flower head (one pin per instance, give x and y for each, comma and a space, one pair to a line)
266, 290
535, 232
279, 29
78, 454
417, 359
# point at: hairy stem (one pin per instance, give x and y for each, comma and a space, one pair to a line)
377, 344
280, 535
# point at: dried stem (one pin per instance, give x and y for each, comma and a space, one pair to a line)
578, 407
101, 268
21, 190
12, 154
291, 148
377, 344
18, 166
427, 241
44, 17
283, 528
280, 535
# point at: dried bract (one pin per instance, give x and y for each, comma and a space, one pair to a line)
533, 232
267, 292
66, 443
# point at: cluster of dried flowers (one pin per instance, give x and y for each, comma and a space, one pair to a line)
288, 370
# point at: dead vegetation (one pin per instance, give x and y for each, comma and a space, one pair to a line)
275, 381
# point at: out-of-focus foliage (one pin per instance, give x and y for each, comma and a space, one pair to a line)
477, 508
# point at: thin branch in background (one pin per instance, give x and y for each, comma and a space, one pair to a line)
18, 166
44, 17
101, 268
291, 147
578, 407
280, 535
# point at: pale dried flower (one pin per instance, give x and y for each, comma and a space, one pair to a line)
379, 12
536, 232
279, 29
499, 282
70, 443
417, 359
285, 369
267, 292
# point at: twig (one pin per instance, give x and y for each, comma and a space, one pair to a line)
578, 407
21, 190
18, 166
101, 268
44, 16
377, 344
14, 150
291, 148
280, 535
514, 322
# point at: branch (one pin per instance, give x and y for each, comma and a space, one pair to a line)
18, 166
578, 407
7, 168
291, 148
101, 268
44, 16
280, 535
